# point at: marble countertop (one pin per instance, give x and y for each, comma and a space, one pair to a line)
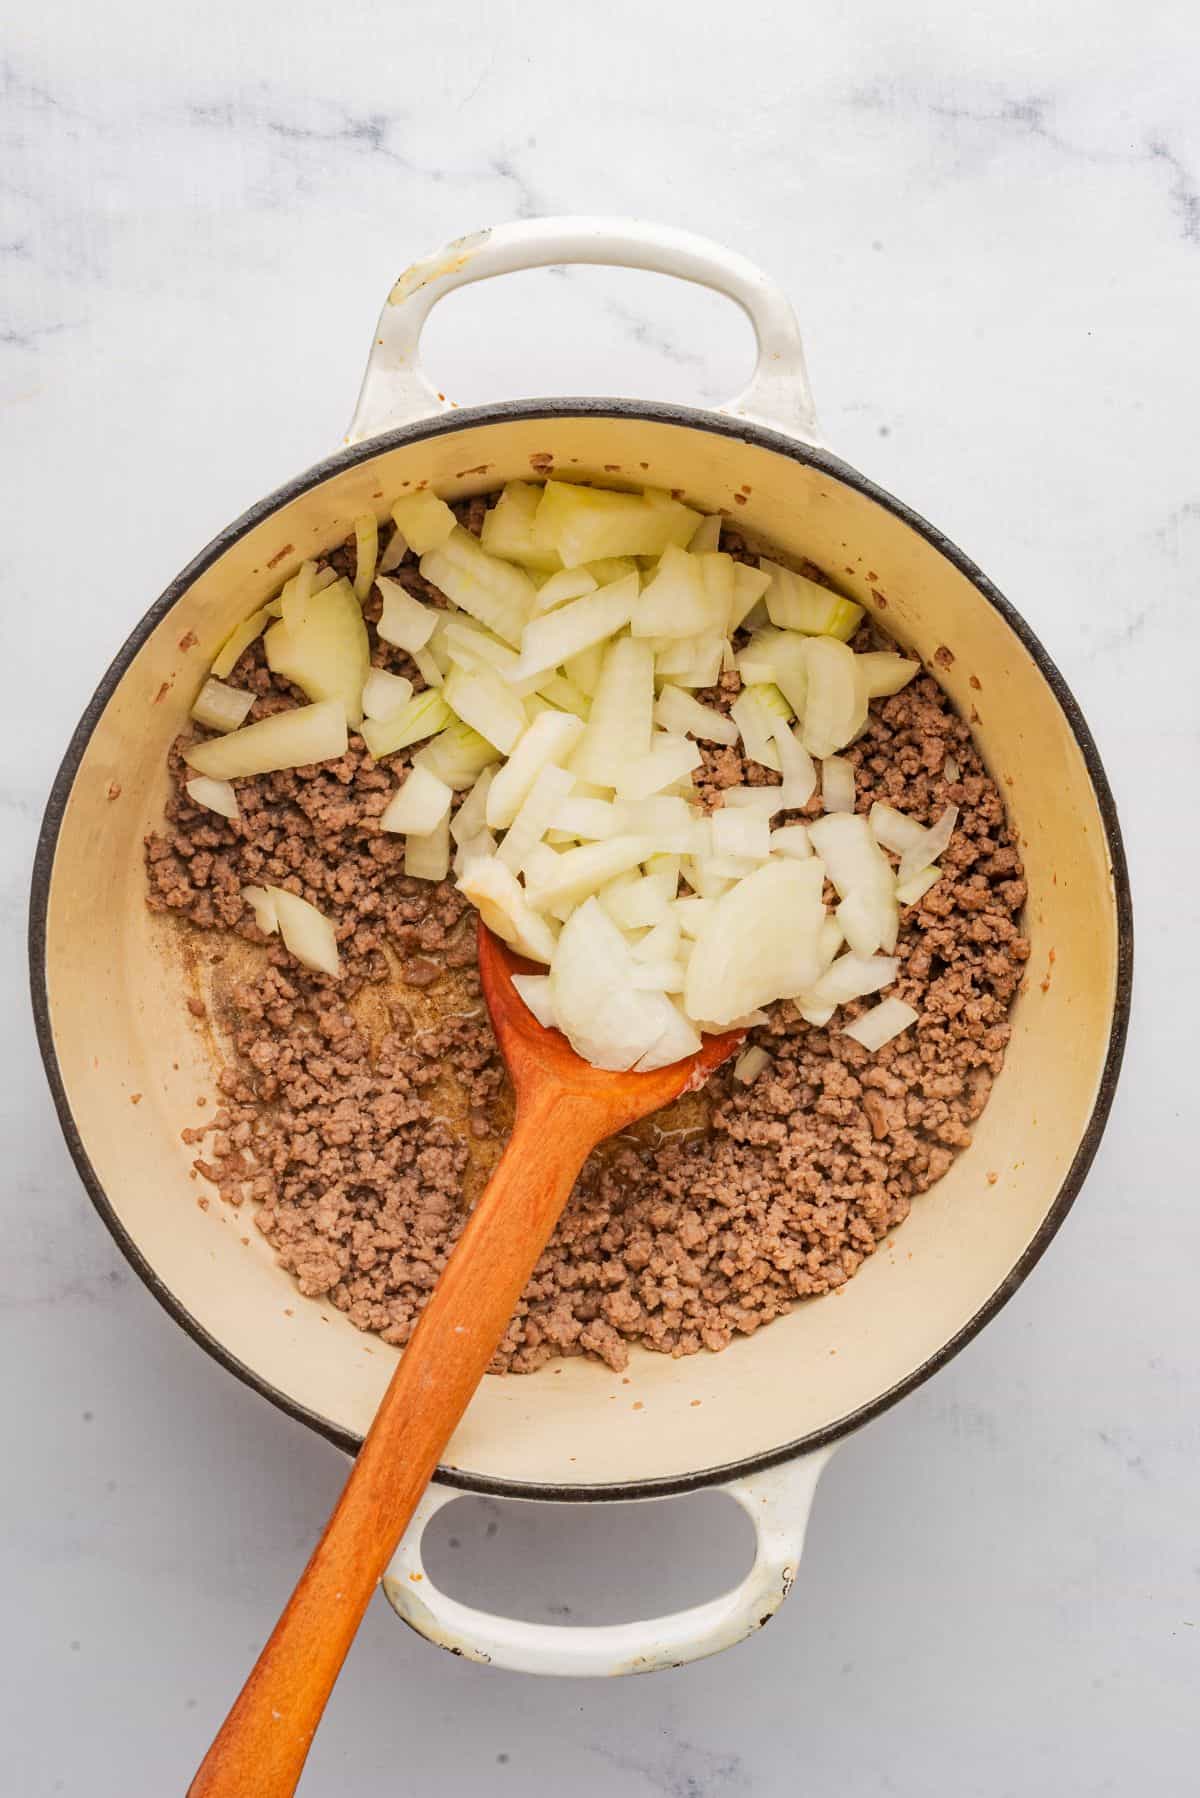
989, 220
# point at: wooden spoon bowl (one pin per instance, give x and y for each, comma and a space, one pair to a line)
564, 1107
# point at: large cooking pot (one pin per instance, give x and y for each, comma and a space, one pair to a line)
109, 979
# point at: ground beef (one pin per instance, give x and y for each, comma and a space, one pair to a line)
362, 1116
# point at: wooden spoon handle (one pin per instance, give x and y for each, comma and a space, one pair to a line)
260, 1749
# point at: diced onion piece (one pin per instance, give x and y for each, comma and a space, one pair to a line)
394, 554
219, 707
754, 722
868, 919
749, 586
585, 523
638, 904
884, 673
424, 714
427, 666
470, 849
618, 726
306, 932
837, 784
677, 711
240, 639
582, 871
385, 694
678, 601
793, 841
458, 755
262, 904
909, 892
727, 867
692, 913
550, 738
758, 944
833, 698
706, 538
498, 897
852, 857
829, 940
584, 669
797, 604
426, 520
324, 649
541, 864
296, 593
468, 645
214, 795
742, 832
534, 992
799, 774
893, 830
668, 760
427, 856
419, 806
510, 529
404, 621
366, 552
608, 569
590, 820
750, 1064
662, 975
678, 1040
767, 800
692, 661
605, 1018
323, 577
817, 1015
548, 791
565, 696
499, 595
483, 700
852, 977
879, 1025
578, 625
568, 583
664, 817
698, 872
923, 854
471, 816
661, 941
294, 739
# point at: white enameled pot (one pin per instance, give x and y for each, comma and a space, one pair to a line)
109, 979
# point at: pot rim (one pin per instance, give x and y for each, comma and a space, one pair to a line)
692, 418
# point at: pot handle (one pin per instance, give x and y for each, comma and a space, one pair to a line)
777, 1502
395, 392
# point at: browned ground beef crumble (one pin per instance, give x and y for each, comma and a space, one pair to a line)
361, 1116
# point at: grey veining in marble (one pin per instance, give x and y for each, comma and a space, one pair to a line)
989, 219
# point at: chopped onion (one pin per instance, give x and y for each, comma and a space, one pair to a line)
852, 857
754, 721
458, 755
894, 830
884, 673
494, 592
676, 601
879, 1025
664, 817
837, 784
793, 841
618, 726
749, 586
427, 856
404, 621
852, 977
471, 816
219, 707
578, 625
419, 806
497, 896
262, 904
833, 698
677, 711
214, 795
510, 529
427, 666
472, 849
759, 943
741, 832
668, 760
394, 554
550, 738
366, 553
590, 820
767, 800
867, 918
692, 913
294, 739
638, 904
585, 523
661, 941
324, 648
385, 694
798, 604
583, 871
923, 854
568, 583
908, 892
424, 714
707, 536
425, 520
307, 933
660, 976
239, 640
750, 1064
799, 773
547, 792
534, 992
483, 700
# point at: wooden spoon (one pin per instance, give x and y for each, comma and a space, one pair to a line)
564, 1108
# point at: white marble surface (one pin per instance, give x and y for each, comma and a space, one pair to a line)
989, 217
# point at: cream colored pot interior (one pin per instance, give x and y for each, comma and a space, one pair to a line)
118, 980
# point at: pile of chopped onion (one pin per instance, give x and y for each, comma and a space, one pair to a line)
560, 705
